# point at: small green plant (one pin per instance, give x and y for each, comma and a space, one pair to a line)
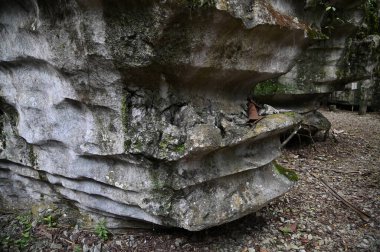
332, 17
180, 149
49, 220
24, 240
371, 16
6, 241
101, 230
77, 248
330, 8
25, 221
285, 230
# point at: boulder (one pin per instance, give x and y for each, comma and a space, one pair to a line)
135, 110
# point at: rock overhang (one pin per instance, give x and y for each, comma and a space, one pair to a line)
136, 109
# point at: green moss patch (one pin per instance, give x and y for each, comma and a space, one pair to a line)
316, 34
290, 174
180, 149
32, 157
194, 4
271, 87
371, 16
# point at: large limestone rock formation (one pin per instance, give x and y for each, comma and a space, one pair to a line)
344, 49
135, 110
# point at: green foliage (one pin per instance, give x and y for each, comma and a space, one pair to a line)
316, 34
268, 87
332, 17
372, 16
23, 242
25, 221
163, 144
180, 149
6, 241
194, 4
77, 248
285, 230
271, 87
290, 174
101, 230
22, 239
49, 220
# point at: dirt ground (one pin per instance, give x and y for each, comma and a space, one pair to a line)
308, 218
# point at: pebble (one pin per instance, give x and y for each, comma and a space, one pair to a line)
56, 246
362, 245
178, 242
98, 248
85, 248
266, 241
293, 246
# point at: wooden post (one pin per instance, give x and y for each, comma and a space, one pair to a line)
363, 101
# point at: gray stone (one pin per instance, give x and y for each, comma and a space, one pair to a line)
135, 110
56, 246
178, 242
97, 248
142, 129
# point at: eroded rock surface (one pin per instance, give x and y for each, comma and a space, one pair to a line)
135, 110
344, 49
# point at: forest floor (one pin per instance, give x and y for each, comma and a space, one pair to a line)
307, 218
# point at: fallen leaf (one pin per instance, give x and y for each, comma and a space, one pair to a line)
293, 227
285, 229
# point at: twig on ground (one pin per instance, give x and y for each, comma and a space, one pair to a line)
63, 239
344, 172
363, 216
291, 136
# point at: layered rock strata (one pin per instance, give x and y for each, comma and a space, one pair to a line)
135, 110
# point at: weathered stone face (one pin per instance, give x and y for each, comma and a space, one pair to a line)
136, 109
343, 49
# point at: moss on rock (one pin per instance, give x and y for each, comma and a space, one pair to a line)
316, 34
371, 16
290, 174
273, 87
32, 157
